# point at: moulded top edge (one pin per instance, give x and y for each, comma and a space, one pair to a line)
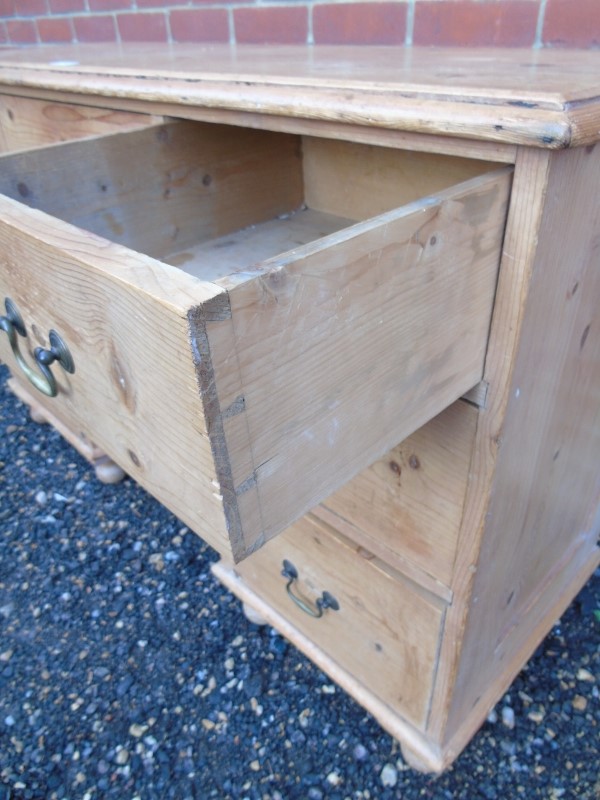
545, 98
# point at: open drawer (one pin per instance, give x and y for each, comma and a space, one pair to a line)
252, 319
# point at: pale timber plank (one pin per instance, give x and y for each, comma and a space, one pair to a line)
407, 506
29, 122
403, 140
134, 393
420, 746
516, 96
384, 625
358, 181
547, 482
415, 284
217, 258
163, 188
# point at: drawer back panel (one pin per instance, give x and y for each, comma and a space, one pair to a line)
26, 122
163, 188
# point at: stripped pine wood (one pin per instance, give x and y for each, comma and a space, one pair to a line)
522, 232
498, 152
277, 355
320, 320
417, 749
105, 468
29, 122
554, 414
515, 652
520, 97
133, 393
398, 625
408, 505
358, 181
163, 188
333, 295
218, 258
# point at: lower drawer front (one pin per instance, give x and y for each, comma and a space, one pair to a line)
385, 632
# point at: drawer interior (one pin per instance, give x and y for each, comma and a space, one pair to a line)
216, 200
324, 300
27, 122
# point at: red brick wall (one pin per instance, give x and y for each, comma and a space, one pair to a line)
553, 23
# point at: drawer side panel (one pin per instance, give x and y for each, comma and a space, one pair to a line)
348, 347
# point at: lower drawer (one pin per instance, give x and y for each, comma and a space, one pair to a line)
385, 631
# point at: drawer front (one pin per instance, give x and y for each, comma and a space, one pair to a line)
134, 391
242, 402
26, 122
385, 633
407, 506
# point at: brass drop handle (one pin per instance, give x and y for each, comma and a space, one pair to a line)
326, 600
42, 378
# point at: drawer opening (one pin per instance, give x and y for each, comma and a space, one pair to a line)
323, 302
216, 200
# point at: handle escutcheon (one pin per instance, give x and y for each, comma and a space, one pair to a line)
42, 378
322, 603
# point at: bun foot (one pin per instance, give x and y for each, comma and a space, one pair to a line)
107, 471
37, 415
415, 760
252, 615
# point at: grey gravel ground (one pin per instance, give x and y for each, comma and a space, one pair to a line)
127, 672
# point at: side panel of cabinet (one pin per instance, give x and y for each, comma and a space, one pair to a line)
539, 521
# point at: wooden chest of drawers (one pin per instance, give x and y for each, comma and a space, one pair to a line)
266, 283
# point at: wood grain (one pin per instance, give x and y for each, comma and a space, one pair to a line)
546, 487
383, 625
28, 122
163, 188
516, 96
421, 748
342, 300
522, 232
347, 346
408, 505
358, 181
217, 259
501, 152
134, 393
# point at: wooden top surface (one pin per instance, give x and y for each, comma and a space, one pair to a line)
547, 98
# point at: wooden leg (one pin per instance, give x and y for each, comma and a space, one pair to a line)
414, 759
105, 468
252, 615
37, 415
107, 471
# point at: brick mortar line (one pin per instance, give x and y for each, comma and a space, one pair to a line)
184, 7
410, 22
539, 28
